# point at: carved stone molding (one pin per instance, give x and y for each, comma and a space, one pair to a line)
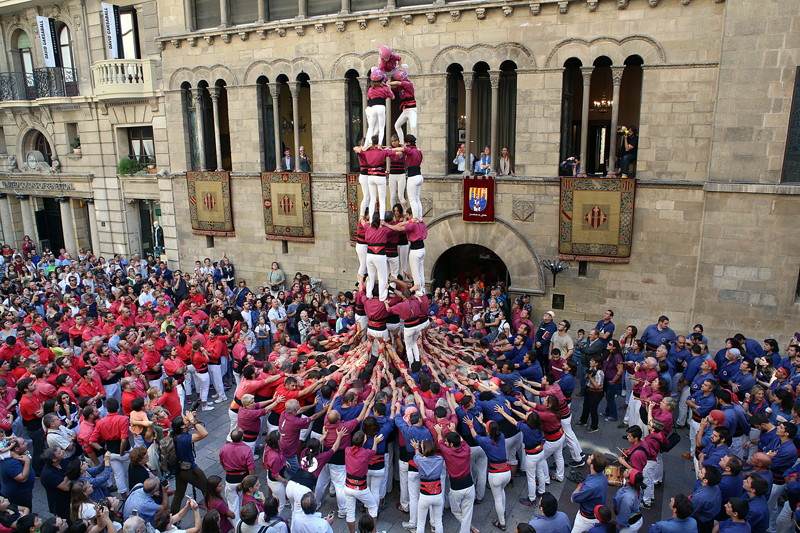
592, 5
176, 43
587, 75
522, 210
507, 11
622, 4
427, 205
686, 2
563, 7
494, 79
243, 35
362, 24
328, 197
455, 15
160, 45
226, 38
431, 18
209, 39
616, 75
653, 3
262, 34
281, 32
192, 41
341, 26
480, 13
536, 8
407, 19
384, 21
301, 30
320, 28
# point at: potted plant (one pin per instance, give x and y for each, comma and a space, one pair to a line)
76, 145
128, 166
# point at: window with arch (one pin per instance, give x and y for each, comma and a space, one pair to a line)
507, 110
67, 60
267, 107
129, 27
190, 117
40, 144
24, 63
355, 116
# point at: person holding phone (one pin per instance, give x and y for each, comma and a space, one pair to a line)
310, 521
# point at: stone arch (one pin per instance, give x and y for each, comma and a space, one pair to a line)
210, 74
493, 55
361, 63
291, 68
25, 139
617, 49
510, 244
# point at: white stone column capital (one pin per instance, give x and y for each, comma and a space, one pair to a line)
587, 78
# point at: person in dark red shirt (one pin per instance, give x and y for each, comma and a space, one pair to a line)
217, 354
91, 386
10, 348
113, 430
170, 399
29, 407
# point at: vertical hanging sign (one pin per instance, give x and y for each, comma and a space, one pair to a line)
47, 37
111, 30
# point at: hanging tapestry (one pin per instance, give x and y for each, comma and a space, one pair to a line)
596, 219
287, 206
353, 202
210, 203
478, 198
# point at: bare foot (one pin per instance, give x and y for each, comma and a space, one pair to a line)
474, 529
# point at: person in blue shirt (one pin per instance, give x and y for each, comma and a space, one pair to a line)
735, 420
678, 352
567, 381
591, 493
605, 328
706, 499
494, 445
681, 521
690, 372
755, 489
14, 468
729, 369
744, 382
605, 520
657, 334
628, 498
752, 346
701, 403
707, 368
530, 368
551, 520
543, 337
783, 458
413, 430
737, 510
732, 484
714, 452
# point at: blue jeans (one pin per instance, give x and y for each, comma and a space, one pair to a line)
582, 377
611, 402
293, 465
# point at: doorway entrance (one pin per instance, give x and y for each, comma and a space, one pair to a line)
471, 261
48, 225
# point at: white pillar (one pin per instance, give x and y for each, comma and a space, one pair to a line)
28, 226
468, 80
214, 92
93, 226
223, 14
294, 89
5, 221
587, 82
201, 132
68, 226
275, 92
364, 83
494, 79
616, 75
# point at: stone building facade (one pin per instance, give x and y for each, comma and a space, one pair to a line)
710, 84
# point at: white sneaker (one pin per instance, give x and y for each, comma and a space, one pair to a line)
221, 400
208, 408
409, 526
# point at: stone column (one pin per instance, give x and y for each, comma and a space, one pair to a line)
616, 75
93, 226
224, 22
28, 226
391, 4
363, 82
5, 221
68, 225
494, 78
587, 82
345, 7
302, 9
262, 11
201, 132
468, 80
294, 89
275, 93
214, 93
188, 14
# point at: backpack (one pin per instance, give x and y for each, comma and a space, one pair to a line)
168, 460
672, 440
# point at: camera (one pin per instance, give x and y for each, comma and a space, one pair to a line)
164, 480
195, 405
592, 372
622, 131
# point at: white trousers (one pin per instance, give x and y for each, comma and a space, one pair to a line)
335, 474
535, 472
361, 252
363, 180
233, 500
413, 188
393, 266
694, 427
375, 480
388, 478
233, 416
278, 492
434, 504
785, 521
377, 193
461, 503
632, 415
512, 445
683, 409
203, 382
408, 115
365, 497
571, 440
402, 470
555, 448
119, 465
649, 473
113, 391
295, 492
737, 445
378, 273
413, 497
416, 267
376, 123
498, 482
397, 186
411, 337
633, 528
772, 505
215, 372
402, 251
582, 524
479, 470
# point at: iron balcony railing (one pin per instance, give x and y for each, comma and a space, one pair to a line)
46, 82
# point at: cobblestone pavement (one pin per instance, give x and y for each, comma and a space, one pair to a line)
678, 479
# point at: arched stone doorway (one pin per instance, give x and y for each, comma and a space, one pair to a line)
511, 246
469, 262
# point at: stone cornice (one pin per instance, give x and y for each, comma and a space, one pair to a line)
680, 66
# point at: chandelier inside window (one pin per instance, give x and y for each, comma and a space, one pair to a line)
603, 105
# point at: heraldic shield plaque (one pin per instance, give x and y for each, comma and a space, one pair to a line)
210, 203
287, 206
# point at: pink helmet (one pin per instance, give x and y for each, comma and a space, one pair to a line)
385, 52
377, 75
400, 75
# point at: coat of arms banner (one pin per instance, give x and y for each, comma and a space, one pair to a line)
287, 206
478, 198
210, 203
596, 219
353, 203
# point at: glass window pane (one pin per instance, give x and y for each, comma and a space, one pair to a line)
406, 3
367, 5
323, 7
23, 41
127, 20
791, 163
282, 9
206, 14
244, 11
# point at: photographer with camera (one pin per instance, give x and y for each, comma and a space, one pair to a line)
571, 166
187, 471
142, 499
630, 145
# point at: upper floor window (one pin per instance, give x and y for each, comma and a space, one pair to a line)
141, 145
791, 159
130, 33
65, 46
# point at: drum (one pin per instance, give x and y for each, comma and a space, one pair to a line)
614, 475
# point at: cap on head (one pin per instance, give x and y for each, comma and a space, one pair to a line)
385, 52
400, 75
377, 75
718, 415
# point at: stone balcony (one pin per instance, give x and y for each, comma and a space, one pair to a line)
125, 78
